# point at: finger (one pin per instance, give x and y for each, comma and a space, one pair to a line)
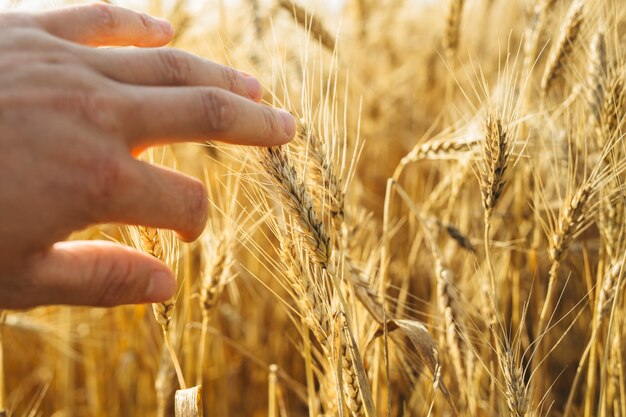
157, 197
170, 67
105, 25
164, 115
99, 274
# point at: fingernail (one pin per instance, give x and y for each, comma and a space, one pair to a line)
161, 287
289, 123
255, 91
165, 26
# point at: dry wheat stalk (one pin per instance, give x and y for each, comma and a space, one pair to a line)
611, 224
255, 8
355, 385
218, 262
446, 303
571, 218
533, 32
453, 27
597, 75
216, 272
612, 115
312, 24
151, 241
165, 385
607, 292
188, 402
563, 47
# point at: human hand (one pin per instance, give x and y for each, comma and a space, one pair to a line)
71, 119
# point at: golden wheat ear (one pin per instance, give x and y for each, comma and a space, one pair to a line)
563, 48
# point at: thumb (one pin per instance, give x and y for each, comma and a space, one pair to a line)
99, 274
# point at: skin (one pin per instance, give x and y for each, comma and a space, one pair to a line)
72, 120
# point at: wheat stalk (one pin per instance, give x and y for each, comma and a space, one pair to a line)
355, 386
563, 47
437, 149
597, 76
150, 240
612, 114
571, 219
312, 24
447, 307
453, 27
607, 292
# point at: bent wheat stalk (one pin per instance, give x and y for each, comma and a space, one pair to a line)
151, 242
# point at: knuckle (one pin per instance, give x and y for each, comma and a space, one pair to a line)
117, 281
175, 66
146, 21
103, 182
100, 109
231, 79
105, 15
271, 127
218, 111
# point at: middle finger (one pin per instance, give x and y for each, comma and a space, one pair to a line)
166, 115
169, 67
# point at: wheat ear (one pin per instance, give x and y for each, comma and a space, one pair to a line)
436, 149
597, 76
324, 173
453, 27
571, 218
312, 24
297, 201
152, 244
516, 391
563, 48
217, 258
447, 307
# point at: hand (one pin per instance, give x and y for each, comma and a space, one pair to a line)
71, 119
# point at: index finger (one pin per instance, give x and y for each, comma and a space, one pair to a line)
166, 115
105, 25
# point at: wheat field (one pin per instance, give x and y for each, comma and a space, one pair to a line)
444, 237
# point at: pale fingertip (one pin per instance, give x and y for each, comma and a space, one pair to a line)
161, 287
166, 27
289, 124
